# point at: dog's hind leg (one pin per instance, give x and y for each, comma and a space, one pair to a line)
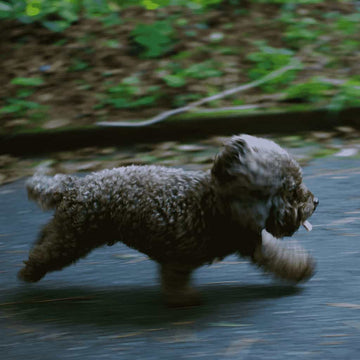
175, 281
54, 250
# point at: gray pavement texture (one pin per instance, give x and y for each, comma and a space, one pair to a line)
108, 306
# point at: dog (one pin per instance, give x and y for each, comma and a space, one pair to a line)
253, 196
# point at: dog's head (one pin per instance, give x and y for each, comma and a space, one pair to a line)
262, 185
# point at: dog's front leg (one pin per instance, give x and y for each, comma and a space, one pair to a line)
175, 282
288, 263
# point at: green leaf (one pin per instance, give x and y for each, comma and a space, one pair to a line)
312, 90
118, 103
30, 81
174, 80
202, 70
156, 39
24, 93
28, 105
69, 15
269, 59
348, 96
111, 20
56, 26
78, 65
144, 101
4, 7
10, 109
349, 24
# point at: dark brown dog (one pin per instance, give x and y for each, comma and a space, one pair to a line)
253, 195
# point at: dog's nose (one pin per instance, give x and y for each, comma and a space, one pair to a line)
316, 201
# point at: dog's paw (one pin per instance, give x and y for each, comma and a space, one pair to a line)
190, 297
290, 263
29, 274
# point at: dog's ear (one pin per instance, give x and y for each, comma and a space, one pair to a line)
227, 162
255, 164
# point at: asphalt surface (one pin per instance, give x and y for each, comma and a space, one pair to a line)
108, 306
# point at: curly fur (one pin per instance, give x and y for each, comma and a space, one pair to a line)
181, 219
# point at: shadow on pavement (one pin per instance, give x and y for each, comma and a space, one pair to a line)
132, 306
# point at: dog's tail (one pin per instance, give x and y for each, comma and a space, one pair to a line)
46, 190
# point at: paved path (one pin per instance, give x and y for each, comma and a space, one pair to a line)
111, 308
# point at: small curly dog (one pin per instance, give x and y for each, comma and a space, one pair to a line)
252, 196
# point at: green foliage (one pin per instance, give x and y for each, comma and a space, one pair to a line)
178, 76
349, 46
291, 2
20, 106
300, 32
27, 81
325, 152
205, 3
267, 60
203, 70
183, 99
311, 91
17, 107
176, 80
65, 12
28, 11
57, 15
78, 65
98, 8
315, 90
154, 4
349, 24
111, 20
112, 44
154, 39
348, 95
130, 94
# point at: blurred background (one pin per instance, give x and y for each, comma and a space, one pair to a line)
93, 84
71, 67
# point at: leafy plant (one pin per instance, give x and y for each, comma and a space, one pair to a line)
56, 15
291, 2
78, 65
154, 40
349, 24
348, 95
130, 94
349, 46
302, 31
183, 99
28, 11
27, 81
310, 91
269, 59
20, 106
178, 76
176, 80
203, 70
111, 20
154, 4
